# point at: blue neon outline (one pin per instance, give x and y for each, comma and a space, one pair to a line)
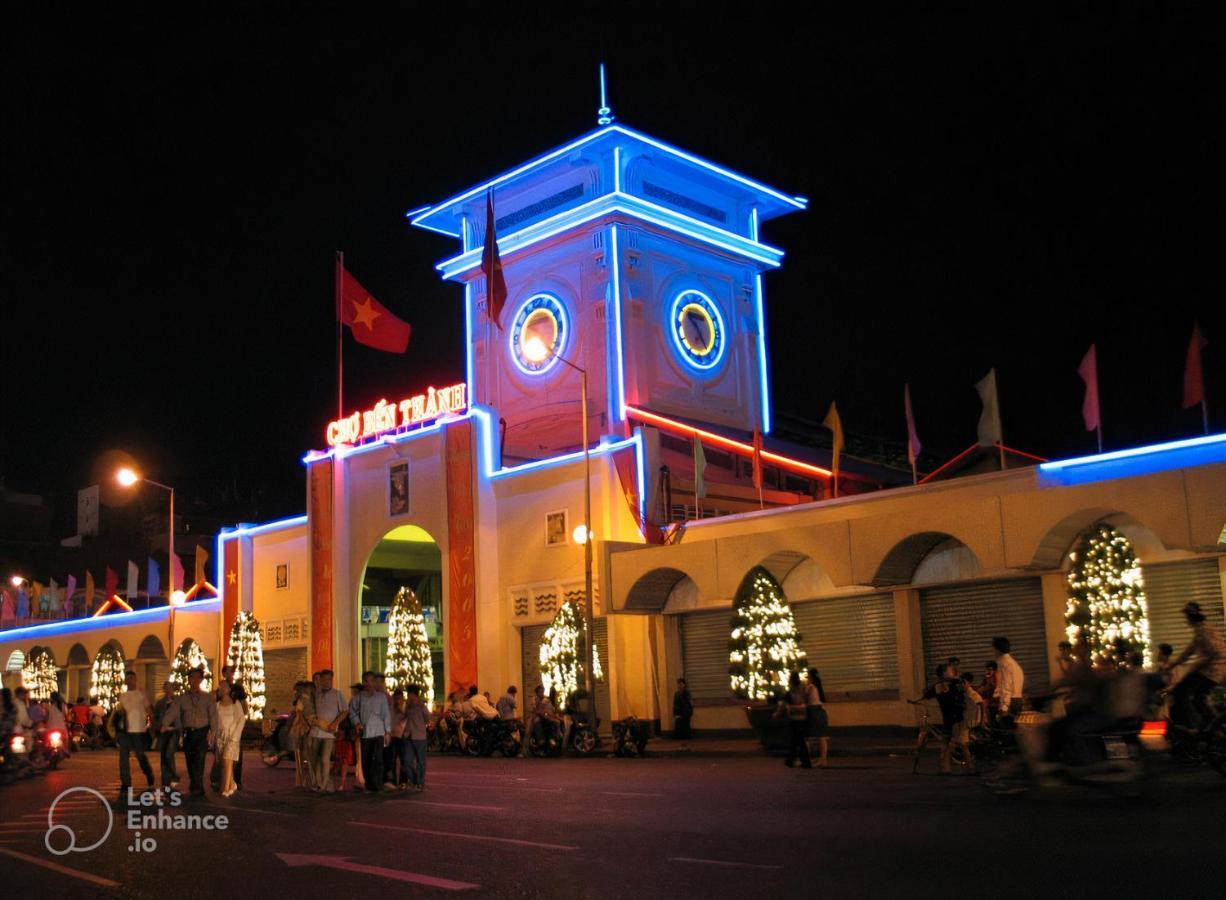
556, 308
219, 577
254, 530
619, 359
1152, 449
709, 306
108, 620
601, 449
617, 170
795, 202
759, 304
608, 204
469, 351
640, 453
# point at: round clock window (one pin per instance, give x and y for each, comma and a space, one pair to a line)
538, 334
697, 329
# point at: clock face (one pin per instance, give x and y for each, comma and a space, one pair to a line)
538, 334
697, 329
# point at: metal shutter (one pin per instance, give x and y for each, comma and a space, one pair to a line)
1168, 587
282, 669
851, 641
156, 675
961, 620
530, 666
704, 654
603, 709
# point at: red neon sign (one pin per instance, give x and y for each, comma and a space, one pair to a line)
385, 417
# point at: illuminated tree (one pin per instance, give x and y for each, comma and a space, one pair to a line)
562, 653
107, 676
1105, 582
38, 675
246, 654
408, 647
189, 656
764, 649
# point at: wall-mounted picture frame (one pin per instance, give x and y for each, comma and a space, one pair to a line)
398, 488
555, 528
282, 576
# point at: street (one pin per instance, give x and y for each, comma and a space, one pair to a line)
702, 825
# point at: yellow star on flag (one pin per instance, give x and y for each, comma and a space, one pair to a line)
231, 577
364, 313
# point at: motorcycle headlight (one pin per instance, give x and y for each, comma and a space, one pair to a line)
18, 743
56, 739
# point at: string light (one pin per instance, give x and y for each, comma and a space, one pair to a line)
106, 680
408, 647
1105, 582
188, 657
561, 653
246, 654
764, 649
39, 676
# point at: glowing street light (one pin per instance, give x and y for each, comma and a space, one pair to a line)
127, 478
580, 534
17, 581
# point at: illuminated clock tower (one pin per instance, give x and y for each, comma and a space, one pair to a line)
632, 259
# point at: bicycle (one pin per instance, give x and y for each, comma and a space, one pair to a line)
1206, 743
959, 754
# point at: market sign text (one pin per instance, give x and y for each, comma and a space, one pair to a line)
386, 417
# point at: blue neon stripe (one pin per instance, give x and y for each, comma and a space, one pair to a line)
1202, 451
111, 620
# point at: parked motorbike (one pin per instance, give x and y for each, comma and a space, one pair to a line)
582, 736
548, 742
630, 736
15, 758
277, 745
485, 737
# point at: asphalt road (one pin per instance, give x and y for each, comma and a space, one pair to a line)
662, 827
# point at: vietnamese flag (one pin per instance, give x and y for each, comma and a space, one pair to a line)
369, 320
491, 267
112, 582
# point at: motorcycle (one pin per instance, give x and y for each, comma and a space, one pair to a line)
582, 736
277, 745
630, 736
548, 742
15, 758
484, 737
50, 745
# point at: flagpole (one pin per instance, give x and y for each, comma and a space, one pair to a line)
1100, 434
914, 474
340, 343
1204, 413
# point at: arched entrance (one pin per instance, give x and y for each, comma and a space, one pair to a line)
407, 556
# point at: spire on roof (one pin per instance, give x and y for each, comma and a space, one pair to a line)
605, 113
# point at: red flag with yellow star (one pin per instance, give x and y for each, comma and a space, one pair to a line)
369, 320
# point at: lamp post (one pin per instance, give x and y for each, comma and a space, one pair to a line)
535, 350
127, 478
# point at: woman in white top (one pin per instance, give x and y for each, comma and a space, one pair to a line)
815, 714
230, 721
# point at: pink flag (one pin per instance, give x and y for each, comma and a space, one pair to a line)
176, 572
1193, 373
1088, 370
913, 442
68, 592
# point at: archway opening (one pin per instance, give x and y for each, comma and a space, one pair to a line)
407, 556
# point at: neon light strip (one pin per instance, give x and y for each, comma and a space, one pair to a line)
641, 471
418, 218
253, 530
469, 363
113, 600
761, 310
566, 458
618, 408
617, 170
784, 462
1208, 440
941, 468
74, 626
627, 205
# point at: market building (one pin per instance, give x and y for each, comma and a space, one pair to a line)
644, 266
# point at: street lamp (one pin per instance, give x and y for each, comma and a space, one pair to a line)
127, 478
535, 350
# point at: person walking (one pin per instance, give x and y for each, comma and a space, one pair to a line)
394, 750
196, 711
792, 707
300, 727
226, 686
330, 710
230, 721
370, 714
1010, 681
167, 738
135, 732
817, 722
683, 711
413, 747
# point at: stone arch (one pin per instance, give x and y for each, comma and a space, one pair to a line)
151, 648
799, 575
114, 642
654, 589
899, 566
1053, 550
951, 560
37, 649
78, 655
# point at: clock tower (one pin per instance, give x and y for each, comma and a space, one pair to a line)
631, 259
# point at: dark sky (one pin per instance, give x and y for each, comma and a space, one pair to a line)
987, 189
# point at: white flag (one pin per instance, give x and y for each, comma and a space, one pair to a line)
990, 432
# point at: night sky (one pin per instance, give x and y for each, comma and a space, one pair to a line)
987, 189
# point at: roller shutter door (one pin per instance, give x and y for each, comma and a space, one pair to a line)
531, 661
603, 709
282, 668
851, 641
704, 653
961, 620
156, 675
1168, 587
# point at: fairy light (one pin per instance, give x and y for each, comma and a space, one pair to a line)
188, 657
1105, 581
246, 654
561, 654
764, 649
38, 675
408, 647
106, 677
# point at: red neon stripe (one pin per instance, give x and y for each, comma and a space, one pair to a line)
727, 443
945, 466
113, 600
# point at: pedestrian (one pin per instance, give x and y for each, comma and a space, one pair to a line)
948, 694
1064, 657
1010, 680
195, 711
394, 750
348, 749
303, 711
506, 703
226, 686
987, 688
330, 711
792, 707
167, 738
683, 710
133, 733
229, 743
413, 749
372, 718
817, 722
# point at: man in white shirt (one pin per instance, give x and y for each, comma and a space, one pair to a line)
481, 704
330, 710
1009, 679
132, 738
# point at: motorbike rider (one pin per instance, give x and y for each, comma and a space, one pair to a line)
1207, 670
483, 712
545, 719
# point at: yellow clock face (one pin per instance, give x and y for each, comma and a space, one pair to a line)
697, 329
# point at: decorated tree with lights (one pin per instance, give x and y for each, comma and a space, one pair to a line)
39, 674
246, 654
408, 647
1107, 594
562, 653
764, 649
107, 676
189, 656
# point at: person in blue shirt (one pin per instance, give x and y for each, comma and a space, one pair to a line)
372, 718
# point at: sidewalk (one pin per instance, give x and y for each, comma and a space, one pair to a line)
841, 745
